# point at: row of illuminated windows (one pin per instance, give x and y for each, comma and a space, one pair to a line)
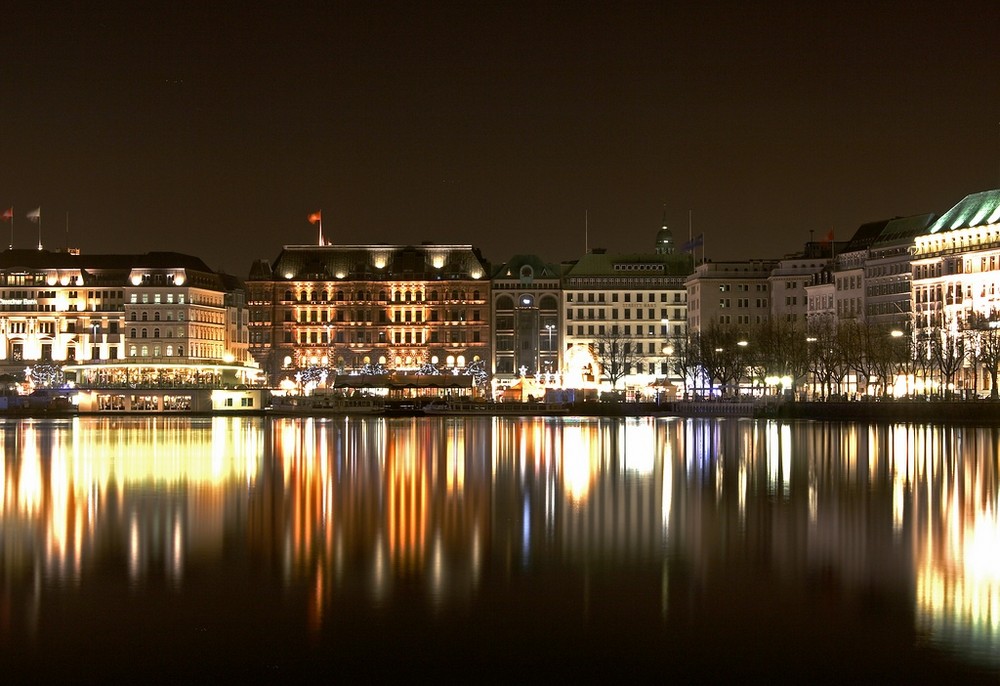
601, 330
167, 333
381, 337
367, 316
156, 298
144, 350
589, 313
664, 296
383, 296
144, 316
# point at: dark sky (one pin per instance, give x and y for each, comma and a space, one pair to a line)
208, 129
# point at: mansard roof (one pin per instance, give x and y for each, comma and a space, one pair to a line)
46, 259
600, 263
976, 209
904, 229
376, 262
865, 236
511, 269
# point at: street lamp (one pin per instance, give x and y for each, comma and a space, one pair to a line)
550, 328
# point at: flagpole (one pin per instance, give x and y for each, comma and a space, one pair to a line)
11, 227
39, 228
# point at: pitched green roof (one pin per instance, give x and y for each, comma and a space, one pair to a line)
636, 264
977, 209
904, 229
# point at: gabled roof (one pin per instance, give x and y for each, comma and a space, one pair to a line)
977, 209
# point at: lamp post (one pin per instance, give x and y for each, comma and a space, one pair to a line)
550, 328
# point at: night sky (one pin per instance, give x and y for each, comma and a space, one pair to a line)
206, 129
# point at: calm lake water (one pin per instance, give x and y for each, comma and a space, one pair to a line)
497, 549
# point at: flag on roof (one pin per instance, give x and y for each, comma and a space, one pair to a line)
316, 217
696, 242
35, 214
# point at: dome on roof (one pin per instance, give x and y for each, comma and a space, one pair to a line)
664, 241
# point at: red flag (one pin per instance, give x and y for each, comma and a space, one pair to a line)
8, 214
316, 217
829, 237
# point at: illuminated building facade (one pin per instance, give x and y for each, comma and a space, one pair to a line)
114, 320
635, 300
344, 308
956, 283
527, 323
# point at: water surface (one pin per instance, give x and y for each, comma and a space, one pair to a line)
497, 549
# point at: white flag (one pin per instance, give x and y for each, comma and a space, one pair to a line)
35, 214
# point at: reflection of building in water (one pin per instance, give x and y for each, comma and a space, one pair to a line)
159, 489
954, 486
861, 509
588, 490
391, 499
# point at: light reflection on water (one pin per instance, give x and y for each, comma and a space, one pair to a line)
442, 512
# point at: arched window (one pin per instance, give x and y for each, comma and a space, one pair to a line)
133, 316
156, 316
312, 296
145, 316
131, 351
475, 295
156, 333
180, 351
170, 351
145, 351
131, 333
288, 295
547, 302
381, 295
434, 295
144, 333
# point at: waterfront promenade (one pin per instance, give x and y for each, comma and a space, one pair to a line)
972, 412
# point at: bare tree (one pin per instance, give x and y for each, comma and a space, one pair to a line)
825, 360
984, 344
948, 353
683, 358
616, 354
721, 358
